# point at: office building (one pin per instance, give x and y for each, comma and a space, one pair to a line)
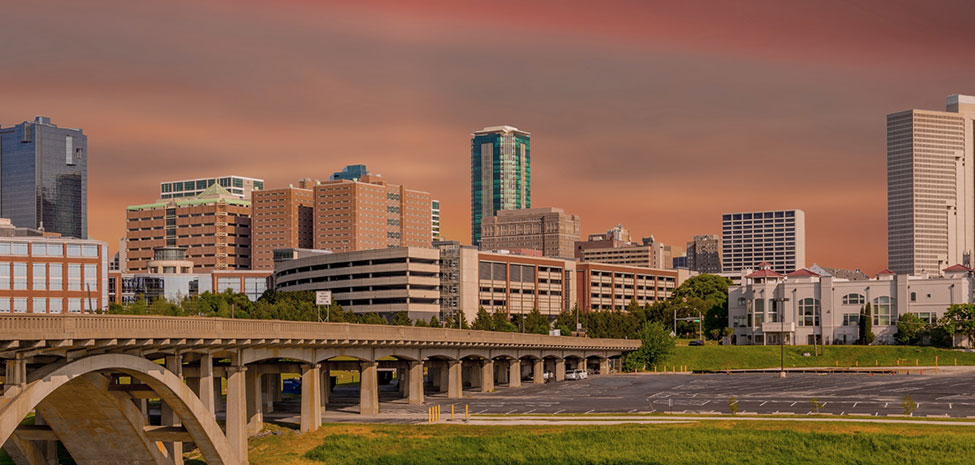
350, 173
516, 284
214, 227
238, 186
500, 174
704, 254
803, 307
931, 187
750, 238
384, 281
435, 220
44, 177
281, 219
549, 230
614, 247
51, 275
603, 286
127, 288
458, 279
369, 213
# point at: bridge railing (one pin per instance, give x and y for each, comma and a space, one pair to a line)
62, 327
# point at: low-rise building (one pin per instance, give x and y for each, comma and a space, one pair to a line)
604, 286
803, 307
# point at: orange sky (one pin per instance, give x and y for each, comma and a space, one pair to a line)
657, 115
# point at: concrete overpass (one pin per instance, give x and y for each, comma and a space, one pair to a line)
88, 378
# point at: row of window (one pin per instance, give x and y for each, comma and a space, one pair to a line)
43, 249
48, 276
44, 305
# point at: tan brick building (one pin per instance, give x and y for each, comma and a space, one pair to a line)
281, 219
369, 213
550, 230
612, 287
214, 227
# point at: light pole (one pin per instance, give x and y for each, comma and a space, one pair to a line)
781, 301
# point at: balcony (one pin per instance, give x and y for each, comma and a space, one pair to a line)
778, 327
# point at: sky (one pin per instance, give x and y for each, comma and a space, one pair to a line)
657, 115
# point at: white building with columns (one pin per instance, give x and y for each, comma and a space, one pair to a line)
806, 306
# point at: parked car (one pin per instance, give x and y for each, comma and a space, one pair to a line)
292, 386
696, 343
547, 375
576, 375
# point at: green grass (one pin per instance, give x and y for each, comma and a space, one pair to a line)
713, 357
714, 443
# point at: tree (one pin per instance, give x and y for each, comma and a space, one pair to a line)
483, 321
435, 322
402, 319
960, 319
502, 323
910, 329
371, 319
712, 290
657, 344
421, 323
866, 325
536, 323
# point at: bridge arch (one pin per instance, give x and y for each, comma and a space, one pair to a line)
197, 420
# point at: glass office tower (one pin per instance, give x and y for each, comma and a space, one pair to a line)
500, 173
44, 177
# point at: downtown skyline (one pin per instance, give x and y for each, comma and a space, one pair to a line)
682, 126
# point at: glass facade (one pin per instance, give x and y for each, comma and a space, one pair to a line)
238, 186
500, 174
44, 177
350, 173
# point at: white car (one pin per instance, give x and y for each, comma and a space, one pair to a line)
576, 375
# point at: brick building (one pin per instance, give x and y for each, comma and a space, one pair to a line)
281, 219
550, 230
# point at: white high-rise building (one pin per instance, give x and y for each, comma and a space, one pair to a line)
931, 187
777, 237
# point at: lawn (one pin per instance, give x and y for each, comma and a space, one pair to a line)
713, 443
714, 357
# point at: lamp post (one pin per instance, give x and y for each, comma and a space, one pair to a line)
782, 301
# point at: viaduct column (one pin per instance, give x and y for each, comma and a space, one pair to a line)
237, 410
174, 363
455, 375
415, 383
255, 415
326, 384
487, 375
311, 402
514, 373
207, 383
368, 388
538, 371
604, 366
560, 369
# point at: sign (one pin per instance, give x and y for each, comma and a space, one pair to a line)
323, 297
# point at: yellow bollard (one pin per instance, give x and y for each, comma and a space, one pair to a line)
451, 411
438, 413
916, 362
655, 368
467, 412
429, 415
857, 363
876, 362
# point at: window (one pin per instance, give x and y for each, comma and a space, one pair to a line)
39, 305
74, 305
55, 306
89, 251
39, 277
740, 321
20, 305
851, 319
228, 283
809, 312
56, 272
4, 276
74, 277
74, 250
69, 151
91, 277
928, 317
20, 276
854, 299
883, 307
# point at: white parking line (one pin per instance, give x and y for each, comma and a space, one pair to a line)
763, 404
794, 404
590, 411
855, 404
558, 412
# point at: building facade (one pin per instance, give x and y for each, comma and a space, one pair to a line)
517, 284
53, 275
604, 286
500, 174
350, 173
805, 307
931, 187
238, 186
458, 279
777, 237
44, 177
214, 228
370, 214
549, 230
614, 247
384, 281
281, 219
704, 254
435, 220
127, 288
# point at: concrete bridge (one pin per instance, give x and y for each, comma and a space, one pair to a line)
88, 378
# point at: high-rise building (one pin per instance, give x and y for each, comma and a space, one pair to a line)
370, 214
350, 173
214, 227
931, 187
777, 237
704, 254
549, 230
281, 219
435, 220
614, 247
238, 186
500, 174
44, 177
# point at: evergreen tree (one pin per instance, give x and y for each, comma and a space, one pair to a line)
402, 319
483, 321
536, 323
502, 323
866, 326
435, 322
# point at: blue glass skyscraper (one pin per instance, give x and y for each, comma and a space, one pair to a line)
350, 173
500, 173
44, 177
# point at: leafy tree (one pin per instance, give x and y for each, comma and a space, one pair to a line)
866, 325
501, 322
371, 318
421, 323
402, 319
908, 405
483, 321
536, 323
960, 319
657, 344
712, 290
435, 322
910, 329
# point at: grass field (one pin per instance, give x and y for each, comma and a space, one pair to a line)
712, 443
714, 357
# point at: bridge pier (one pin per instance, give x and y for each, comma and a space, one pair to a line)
414, 383
604, 366
538, 371
236, 408
514, 373
455, 382
487, 375
48, 450
255, 415
311, 402
368, 388
174, 449
326, 384
267, 392
560, 369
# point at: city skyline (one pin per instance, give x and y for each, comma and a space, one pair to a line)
684, 126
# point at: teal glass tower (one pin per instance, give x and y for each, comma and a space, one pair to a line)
500, 174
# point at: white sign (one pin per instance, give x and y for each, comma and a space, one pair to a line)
323, 297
